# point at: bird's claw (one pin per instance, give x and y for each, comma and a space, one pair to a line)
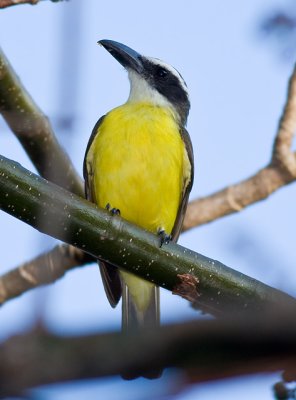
113, 211
164, 237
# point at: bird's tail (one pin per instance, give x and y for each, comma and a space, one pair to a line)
139, 313
134, 318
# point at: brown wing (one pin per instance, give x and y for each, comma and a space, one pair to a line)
109, 273
186, 188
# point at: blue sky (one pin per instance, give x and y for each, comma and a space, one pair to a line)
237, 86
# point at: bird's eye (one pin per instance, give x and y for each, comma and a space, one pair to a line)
161, 72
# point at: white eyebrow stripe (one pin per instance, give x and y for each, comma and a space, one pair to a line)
171, 69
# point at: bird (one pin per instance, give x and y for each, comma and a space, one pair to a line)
139, 164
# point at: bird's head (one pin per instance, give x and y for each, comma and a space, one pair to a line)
152, 80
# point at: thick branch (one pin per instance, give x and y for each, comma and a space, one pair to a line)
67, 217
44, 269
34, 131
204, 350
279, 172
9, 3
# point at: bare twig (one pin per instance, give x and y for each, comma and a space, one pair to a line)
236, 197
282, 151
203, 350
9, 3
279, 172
44, 269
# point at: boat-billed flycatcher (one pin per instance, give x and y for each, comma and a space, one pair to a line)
139, 160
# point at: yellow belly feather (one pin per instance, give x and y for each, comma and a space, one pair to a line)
138, 165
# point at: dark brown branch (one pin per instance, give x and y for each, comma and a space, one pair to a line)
203, 350
278, 173
42, 270
33, 130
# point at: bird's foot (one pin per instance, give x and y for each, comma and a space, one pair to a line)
113, 211
164, 237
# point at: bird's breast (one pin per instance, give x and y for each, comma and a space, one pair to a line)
137, 161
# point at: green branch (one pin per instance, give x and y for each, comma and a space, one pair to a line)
33, 130
209, 284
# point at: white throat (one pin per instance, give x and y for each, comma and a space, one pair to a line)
141, 91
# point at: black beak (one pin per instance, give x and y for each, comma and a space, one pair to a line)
127, 57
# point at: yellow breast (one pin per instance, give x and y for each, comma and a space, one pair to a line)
137, 161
